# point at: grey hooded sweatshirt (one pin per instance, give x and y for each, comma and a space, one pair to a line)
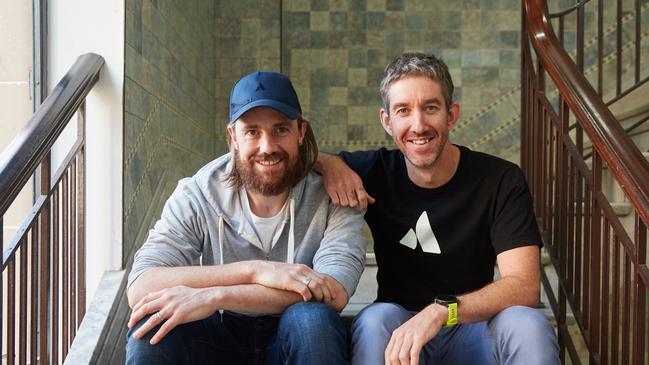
203, 223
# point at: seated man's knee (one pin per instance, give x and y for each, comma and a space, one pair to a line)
521, 321
380, 317
310, 319
523, 332
140, 351
313, 333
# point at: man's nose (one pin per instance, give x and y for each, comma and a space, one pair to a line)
418, 122
267, 143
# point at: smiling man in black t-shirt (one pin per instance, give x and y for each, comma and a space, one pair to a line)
442, 216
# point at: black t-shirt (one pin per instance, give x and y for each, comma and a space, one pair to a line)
443, 240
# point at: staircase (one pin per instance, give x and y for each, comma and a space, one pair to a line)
584, 155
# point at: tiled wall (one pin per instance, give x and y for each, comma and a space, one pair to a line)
335, 52
169, 93
247, 39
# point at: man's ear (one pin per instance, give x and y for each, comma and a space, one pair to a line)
453, 115
233, 135
385, 121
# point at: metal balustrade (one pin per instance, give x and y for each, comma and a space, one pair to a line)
601, 268
43, 265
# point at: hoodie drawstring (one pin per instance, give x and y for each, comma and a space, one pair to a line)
291, 234
221, 238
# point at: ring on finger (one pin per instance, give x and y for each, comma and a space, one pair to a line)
157, 314
307, 280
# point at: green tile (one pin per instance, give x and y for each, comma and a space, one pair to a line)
338, 20
509, 39
338, 5
489, 4
319, 5
358, 57
509, 57
376, 5
339, 39
489, 57
395, 5
416, 20
470, 4
356, 38
337, 95
337, 132
357, 5
375, 40
357, 77
299, 39
375, 21
319, 20
416, 5
356, 132
357, 21
413, 39
395, 40
394, 21
489, 40
452, 20
297, 5
319, 39
296, 21
374, 76
356, 115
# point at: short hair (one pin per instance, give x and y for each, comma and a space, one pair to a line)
417, 64
308, 154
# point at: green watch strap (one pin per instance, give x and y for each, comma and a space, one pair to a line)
452, 315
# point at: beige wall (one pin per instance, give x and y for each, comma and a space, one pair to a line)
15, 99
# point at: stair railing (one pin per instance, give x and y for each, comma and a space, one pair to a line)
601, 267
43, 265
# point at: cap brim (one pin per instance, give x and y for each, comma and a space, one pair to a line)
288, 111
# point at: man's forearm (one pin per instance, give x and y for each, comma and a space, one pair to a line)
519, 285
322, 160
159, 278
485, 303
254, 298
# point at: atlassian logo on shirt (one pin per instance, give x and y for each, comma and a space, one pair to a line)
424, 234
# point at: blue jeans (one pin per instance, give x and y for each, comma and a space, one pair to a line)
306, 333
517, 335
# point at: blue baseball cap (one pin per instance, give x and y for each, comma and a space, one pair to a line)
264, 88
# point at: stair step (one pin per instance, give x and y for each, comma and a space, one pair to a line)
589, 162
622, 209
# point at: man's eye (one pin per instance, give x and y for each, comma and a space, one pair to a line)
431, 108
282, 131
250, 133
401, 111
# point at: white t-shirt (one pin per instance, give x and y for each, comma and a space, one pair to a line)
265, 228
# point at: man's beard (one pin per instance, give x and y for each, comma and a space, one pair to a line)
269, 184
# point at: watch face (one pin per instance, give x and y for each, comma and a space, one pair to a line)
446, 299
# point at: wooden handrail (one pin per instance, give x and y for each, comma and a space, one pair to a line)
616, 148
21, 158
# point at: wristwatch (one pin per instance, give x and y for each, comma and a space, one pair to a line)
451, 302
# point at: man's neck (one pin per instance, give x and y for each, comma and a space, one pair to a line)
266, 205
440, 172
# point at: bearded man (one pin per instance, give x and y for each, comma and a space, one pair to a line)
250, 260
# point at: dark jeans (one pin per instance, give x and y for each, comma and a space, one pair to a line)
306, 333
